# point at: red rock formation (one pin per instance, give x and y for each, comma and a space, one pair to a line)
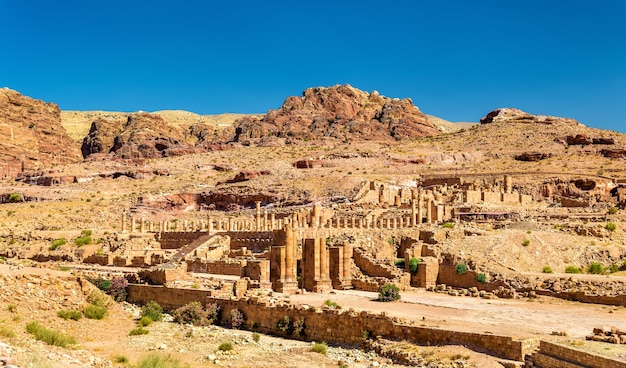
32, 135
509, 115
579, 139
532, 156
614, 153
340, 112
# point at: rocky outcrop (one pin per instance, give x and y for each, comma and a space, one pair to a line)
145, 136
340, 112
532, 156
614, 153
32, 135
509, 115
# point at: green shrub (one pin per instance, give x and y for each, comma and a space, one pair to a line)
461, 268
95, 311
152, 310
49, 336
193, 313
256, 337
138, 331
413, 263
283, 324
158, 361
448, 225
329, 303
225, 346
57, 243
596, 268
546, 269
298, 327
388, 293
613, 268
70, 314
481, 278
7, 331
83, 239
145, 321
611, 226
526, 242
399, 263
12, 308
624, 263
120, 359
319, 347
572, 269
612, 211
15, 197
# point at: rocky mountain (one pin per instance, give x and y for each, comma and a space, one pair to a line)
32, 135
510, 115
340, 112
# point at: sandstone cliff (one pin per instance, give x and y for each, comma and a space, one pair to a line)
340, 112
31, 135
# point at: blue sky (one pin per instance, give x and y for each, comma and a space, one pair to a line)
455, 59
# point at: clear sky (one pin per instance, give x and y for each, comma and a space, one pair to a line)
455, 59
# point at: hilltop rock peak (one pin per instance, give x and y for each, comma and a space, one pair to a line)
342, 112
511, 115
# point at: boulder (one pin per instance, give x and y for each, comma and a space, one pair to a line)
532, 156
579, 140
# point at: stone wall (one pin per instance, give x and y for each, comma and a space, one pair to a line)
331, 325
558, 356
175, 240
233, 267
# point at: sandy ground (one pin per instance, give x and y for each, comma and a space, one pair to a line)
517, 317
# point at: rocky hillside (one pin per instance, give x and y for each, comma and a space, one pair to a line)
32, 135
340, 112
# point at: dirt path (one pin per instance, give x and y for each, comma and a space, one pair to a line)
518, 317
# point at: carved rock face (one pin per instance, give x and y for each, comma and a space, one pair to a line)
340, 112
32, 134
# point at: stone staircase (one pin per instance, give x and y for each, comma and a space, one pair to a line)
182, 252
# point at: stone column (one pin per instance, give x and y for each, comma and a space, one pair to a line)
142, 226
289, 254
413, 213
508, 184
316, 215
420, 209
429, 211
124, 223
258, 215
347, 266
133, 224
265, 224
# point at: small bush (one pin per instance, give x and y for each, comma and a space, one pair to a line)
95, 311
70, 314
7, 331
388, 293
12, 308
413, 263
546, 269
329, 303
98, 298
158, 361
225, 346
572, 269
461, 268
138, 331
481, 278
448, 225
283, 324
57, 243
49, 336
145, 321
15, 197
399, 263
83, 239
256, 337
298, 327
193, 313
118, 288
613, 268
235, 319
152, 310
526, 242
624, 263
611, 226
319, 347
596, 268
612, 211
120, 359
